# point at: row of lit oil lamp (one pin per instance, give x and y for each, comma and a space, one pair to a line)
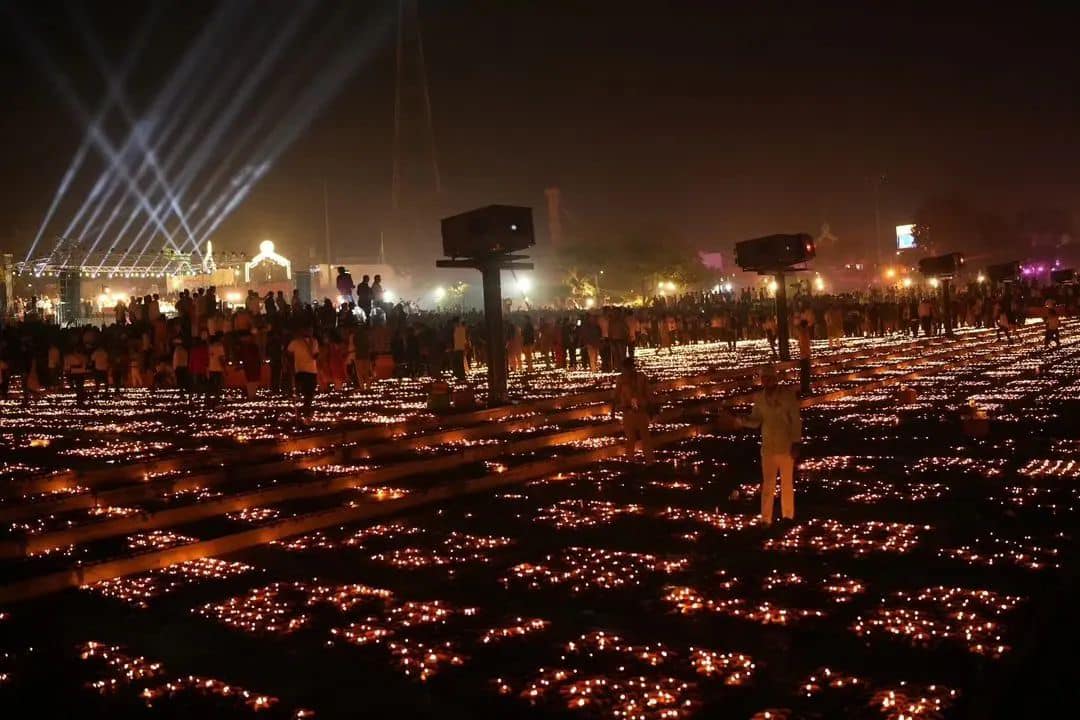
121, 670
244, 420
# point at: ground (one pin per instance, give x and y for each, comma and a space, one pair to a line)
930, 571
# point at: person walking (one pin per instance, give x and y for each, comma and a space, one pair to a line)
514, 347
632, 397
603, 323
589, 337
1053, 328
666, 330
275, 349
198, 365
99, 358
776, 413
75, 367
804, 358
617, 333
119, 363
926, 317
54, 366
633, 332
251, 361
730, 333
215, 366
304, 351
181, 359
834, 325
361, 340
1004, 322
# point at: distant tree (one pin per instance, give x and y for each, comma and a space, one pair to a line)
579, 285
455, 294
633, 261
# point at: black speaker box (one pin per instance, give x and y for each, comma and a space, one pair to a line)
491, 230
774, 252
942, 264
1005, 272
70, 297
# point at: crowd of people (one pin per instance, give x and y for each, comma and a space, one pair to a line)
292, 347
199, 345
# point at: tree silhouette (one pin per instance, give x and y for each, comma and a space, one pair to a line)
633, 261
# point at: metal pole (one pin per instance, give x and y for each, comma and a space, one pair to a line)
782, 317
496, 350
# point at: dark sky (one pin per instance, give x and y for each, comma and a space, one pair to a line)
720, 120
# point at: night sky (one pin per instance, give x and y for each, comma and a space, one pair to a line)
718, 120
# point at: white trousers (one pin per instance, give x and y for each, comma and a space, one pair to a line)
772, 465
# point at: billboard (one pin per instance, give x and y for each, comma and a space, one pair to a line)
905, 237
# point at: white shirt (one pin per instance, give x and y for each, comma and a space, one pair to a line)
776, 412
216, 353
179, 357
304, 352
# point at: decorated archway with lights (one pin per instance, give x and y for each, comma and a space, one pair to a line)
267, 254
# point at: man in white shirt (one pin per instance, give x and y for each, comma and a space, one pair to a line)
304, 351
180, 369
100, 360
75, 369
776, 412
215, 370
